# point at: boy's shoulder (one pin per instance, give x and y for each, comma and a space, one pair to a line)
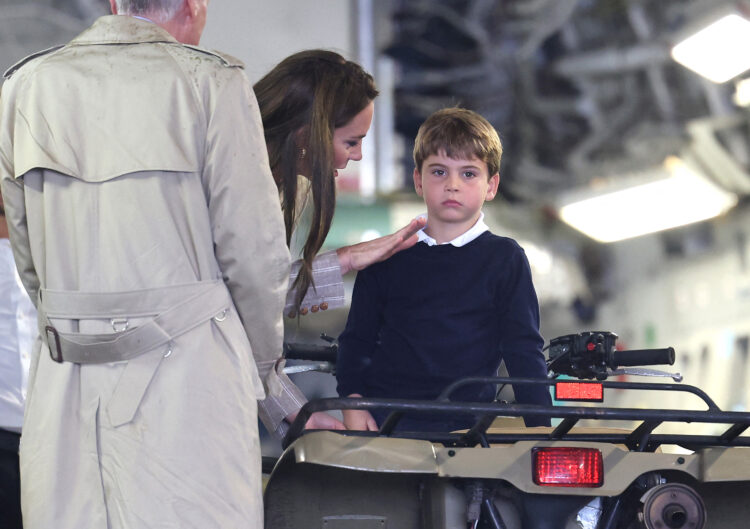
408, 259
386, 266
502, 249
499, 242
402, 258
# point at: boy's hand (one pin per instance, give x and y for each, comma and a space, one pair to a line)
359, 419
322, 421
319, 421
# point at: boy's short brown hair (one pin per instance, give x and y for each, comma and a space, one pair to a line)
460, 133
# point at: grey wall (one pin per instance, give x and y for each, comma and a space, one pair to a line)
262, 32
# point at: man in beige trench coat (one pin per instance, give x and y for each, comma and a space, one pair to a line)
146, 224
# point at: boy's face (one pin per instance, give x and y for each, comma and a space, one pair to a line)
454, 190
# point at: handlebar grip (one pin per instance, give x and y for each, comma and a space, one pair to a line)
643, 357
313, 353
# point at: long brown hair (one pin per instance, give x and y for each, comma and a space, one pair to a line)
302, 101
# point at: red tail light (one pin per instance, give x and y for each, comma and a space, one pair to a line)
568, 467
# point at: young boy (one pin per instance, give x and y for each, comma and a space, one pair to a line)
454, 305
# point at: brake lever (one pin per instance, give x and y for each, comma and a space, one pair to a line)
645, 372
323, 367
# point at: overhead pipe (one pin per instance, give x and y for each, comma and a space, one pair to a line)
547, 23
579, 159
655, 74
613, 60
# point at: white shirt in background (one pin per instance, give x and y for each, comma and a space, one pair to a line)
18, 329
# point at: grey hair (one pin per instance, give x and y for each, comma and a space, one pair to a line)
156, 10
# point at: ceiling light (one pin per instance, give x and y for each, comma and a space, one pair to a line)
718, 51
742, 93
669, 196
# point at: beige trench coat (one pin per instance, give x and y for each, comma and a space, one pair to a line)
130, 162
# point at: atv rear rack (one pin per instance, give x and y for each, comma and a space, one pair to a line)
641, 439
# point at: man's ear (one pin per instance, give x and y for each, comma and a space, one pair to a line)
494, 183
193, 6
418, 182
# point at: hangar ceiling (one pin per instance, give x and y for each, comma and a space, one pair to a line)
579, 89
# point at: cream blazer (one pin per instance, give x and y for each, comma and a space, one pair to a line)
328, 288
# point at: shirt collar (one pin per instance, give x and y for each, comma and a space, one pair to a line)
465, 238
143, 18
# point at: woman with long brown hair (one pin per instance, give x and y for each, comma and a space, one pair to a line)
316, 108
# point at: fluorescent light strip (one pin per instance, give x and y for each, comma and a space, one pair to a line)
718, 51
683, 198
742, 93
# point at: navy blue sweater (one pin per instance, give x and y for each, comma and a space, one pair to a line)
430, 315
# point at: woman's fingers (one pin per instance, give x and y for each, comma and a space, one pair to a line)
412, 228
408, 234
362, 255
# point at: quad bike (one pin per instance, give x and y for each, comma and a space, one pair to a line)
497, 476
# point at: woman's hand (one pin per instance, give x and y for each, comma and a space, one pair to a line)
362, 255
359, 419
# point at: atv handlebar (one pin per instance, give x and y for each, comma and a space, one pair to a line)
585, 355
593, 355
312, 353
643, 357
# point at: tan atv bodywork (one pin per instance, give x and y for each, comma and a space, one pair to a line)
511, 463
334, 481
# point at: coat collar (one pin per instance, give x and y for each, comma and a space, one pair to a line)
122, 29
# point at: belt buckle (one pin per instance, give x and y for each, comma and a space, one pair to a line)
50, 329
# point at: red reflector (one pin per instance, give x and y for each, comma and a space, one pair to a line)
584, 391
568, 467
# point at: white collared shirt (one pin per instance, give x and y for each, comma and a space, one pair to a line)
142, 18
18, 329
465, 238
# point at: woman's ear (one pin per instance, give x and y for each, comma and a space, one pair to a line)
494, 183
302, 142
418, 181
302, 137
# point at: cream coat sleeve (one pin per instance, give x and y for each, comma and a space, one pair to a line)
248, 233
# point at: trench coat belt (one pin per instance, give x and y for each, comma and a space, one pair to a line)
175, 310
